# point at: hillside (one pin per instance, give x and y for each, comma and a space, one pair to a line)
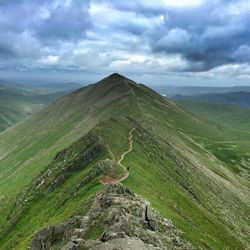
237, 98
63, 159
171, 91
17, 103
227, 115
40, 85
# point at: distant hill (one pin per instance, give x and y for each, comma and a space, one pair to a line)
223, 114
58, 86
17, 103
239, 98
45, 87
171, 91
116, 164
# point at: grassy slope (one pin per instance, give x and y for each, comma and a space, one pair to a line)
70, 195
240, 98
234, 150
16, 104
183, 179
227, 115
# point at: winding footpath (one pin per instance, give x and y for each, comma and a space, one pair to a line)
107, 179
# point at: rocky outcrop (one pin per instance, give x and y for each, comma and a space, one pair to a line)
118, 219
45, 238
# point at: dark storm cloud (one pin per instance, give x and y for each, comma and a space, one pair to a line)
205, 44
206, 35
65, 22
6, 52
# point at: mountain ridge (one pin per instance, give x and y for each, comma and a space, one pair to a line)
67, 148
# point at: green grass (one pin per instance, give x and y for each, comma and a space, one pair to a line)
235, 121
227, 115
194, 171
54, 205
95, 230
16, 104
182, 196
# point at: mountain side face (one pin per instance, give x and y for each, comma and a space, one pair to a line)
17, 103
55, 127
68, 158
228, 115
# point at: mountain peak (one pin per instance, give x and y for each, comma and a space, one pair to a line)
116, 76
115, 81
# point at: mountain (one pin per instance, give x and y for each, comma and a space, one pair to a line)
17, 103
171, 91
45, 86
185, 181
238, 98
56, 86
223, 114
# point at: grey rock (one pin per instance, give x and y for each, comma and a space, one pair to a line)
151, 217
126, 220
124, 244
91, 244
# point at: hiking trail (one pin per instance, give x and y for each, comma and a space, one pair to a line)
109, 180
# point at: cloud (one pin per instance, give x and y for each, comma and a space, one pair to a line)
49, 60
63, 21
195, 37
105, 16
227, 72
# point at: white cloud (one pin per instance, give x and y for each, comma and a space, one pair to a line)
229, 71
238, 8
173, 3
49, 60
105, 16
148, 64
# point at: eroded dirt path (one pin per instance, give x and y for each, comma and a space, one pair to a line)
107, 179
130, 139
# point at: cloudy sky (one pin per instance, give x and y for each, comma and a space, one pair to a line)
194, 42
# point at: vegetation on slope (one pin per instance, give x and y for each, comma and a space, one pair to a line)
173, 164
17, 103
240, 98
227, 115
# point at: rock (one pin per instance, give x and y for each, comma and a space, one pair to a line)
120, 220
124, 244
43, 238
91, 244
59, 230
76, 244
150, 217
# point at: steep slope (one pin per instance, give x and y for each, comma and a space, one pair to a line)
58, 158
17, 103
